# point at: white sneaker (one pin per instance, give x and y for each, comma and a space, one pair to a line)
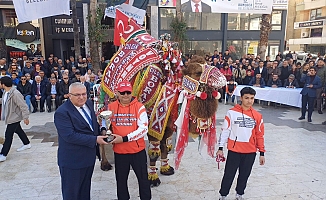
239, 197
24, 147
2, 158
222, 198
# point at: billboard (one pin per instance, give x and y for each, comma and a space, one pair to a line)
225, 6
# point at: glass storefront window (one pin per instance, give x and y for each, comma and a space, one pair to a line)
211, 21
193, 20
243, 21
243, 47
202, 48
252, 21
166, 17
9, 18
316, 32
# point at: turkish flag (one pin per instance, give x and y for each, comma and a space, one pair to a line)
121, 22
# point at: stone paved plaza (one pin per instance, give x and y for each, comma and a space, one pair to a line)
294, 169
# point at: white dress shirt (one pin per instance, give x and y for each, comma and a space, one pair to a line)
84, 116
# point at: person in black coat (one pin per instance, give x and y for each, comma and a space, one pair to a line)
311, 83
262, 70
291, 82
38, 93
247, 78
257, 81
53, 92
25, 88
64, 88
274, 82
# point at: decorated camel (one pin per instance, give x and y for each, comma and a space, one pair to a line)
154, 68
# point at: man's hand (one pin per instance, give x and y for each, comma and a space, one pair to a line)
261, 160
38, 97
220, 152
53, 96
117, 139
100, 140
311, 85
323, 94
26, 121
274, 86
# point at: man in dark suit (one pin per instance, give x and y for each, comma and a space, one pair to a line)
53, 92
261, 69
195, 6
291, 82
38, 93
311, 83
78, 136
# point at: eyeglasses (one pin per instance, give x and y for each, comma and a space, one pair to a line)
23, 79
65, 78
79, 95
125, 92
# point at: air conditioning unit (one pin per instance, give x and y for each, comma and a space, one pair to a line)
304, 34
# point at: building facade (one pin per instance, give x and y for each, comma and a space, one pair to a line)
306, 27
240, 33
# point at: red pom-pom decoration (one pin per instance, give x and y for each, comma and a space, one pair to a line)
203, 95
214, 93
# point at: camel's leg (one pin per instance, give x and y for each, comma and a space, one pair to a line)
105, 165
153, 153
166, 146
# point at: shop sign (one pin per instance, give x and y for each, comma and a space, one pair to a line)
309, 24
26, 32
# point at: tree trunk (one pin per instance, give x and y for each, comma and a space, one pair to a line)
75, 28
178, 10
265, 29
94, 45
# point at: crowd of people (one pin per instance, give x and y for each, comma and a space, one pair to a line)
283, 71
41, 80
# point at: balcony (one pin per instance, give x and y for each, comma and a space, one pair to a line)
310, 4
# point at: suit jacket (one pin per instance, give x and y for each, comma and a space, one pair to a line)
264, 73
294, 83
77, 141
42, 89
253, 82
278, 82
63, 91
186, 7
311, 92
57, 88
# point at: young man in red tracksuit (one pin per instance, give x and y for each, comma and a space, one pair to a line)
243, 130
129, 126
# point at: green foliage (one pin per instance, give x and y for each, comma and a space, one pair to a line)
179, 31
95, 30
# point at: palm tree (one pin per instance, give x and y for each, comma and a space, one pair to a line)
265, 29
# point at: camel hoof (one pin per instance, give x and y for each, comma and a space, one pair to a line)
106, 166
155, 183
167, 171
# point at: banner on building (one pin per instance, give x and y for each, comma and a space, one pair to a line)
280, 4
28, 10
133, 9
227, 6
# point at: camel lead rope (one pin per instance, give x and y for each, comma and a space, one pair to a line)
219, 159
